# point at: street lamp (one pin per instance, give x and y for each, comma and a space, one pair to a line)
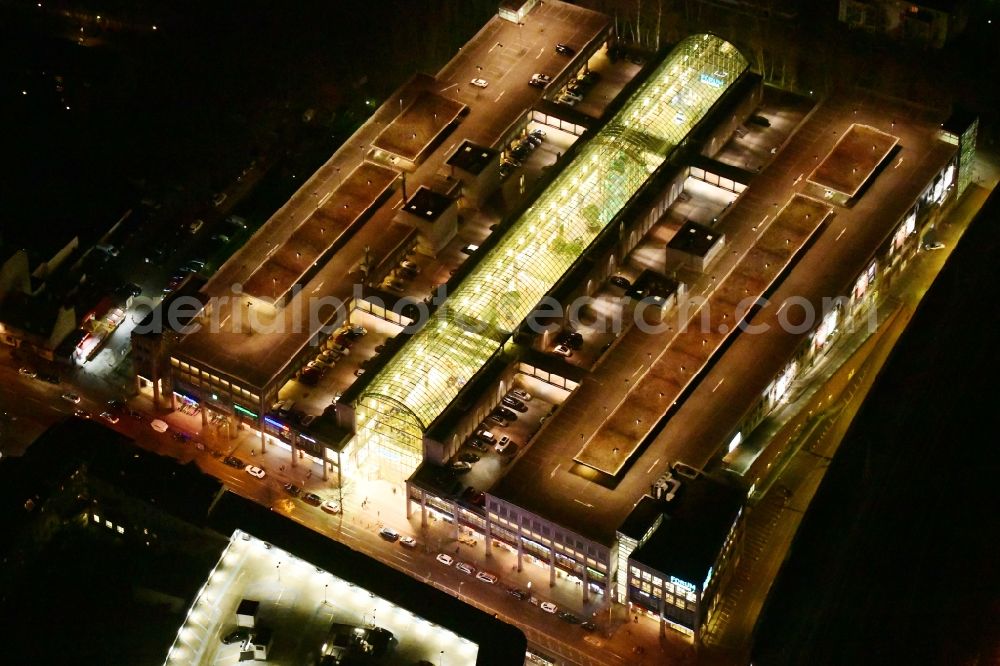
325, 586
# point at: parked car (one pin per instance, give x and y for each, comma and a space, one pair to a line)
588, 626
446, 560
81, 413
27, 372
234, 462
521, 395
460, 467
565, 49
496, 419
466, 568
356, 332
468, 457
571, 339
506, 414
388, 534
520, 595
71, 397
219, 198
563, 350
408, 542
934, 245
255, 471
548, 607
312, 499
486, 577
479, 444
330, 506
195, 226
503, 444
620, 281
479, 83
513, 403
292, 489
760, 120
109, 417
408, 265
237, 635
569, 617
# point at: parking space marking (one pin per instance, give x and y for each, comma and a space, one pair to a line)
500, 95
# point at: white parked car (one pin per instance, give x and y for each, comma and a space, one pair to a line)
466, 568
330, 506
521, 395
446, 560
158, 425
255, 472
563, 351
479, 83
486, 577
548, 607
503, 443
408, 542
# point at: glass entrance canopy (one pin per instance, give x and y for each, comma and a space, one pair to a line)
427, 374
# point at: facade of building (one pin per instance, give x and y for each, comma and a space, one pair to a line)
931, 23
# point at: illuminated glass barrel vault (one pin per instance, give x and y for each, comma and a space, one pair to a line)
428, 372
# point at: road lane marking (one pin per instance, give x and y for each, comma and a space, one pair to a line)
554, 470
449, 87
499, 96
655, 463
718, 385
589, 506
540, 52
326, 197
840, 234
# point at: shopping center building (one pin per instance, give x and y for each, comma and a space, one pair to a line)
580, 492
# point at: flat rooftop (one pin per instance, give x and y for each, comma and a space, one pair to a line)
257, 357
611, 447
410, 133
299, 602
427, 204
693, 530
335, 216
853, 159
540, 480
695, 239
472, 158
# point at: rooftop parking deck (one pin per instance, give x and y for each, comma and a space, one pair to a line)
541, 245
593, 504
257, 357
611, 447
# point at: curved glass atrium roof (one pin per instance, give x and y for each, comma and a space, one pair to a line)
543, 243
